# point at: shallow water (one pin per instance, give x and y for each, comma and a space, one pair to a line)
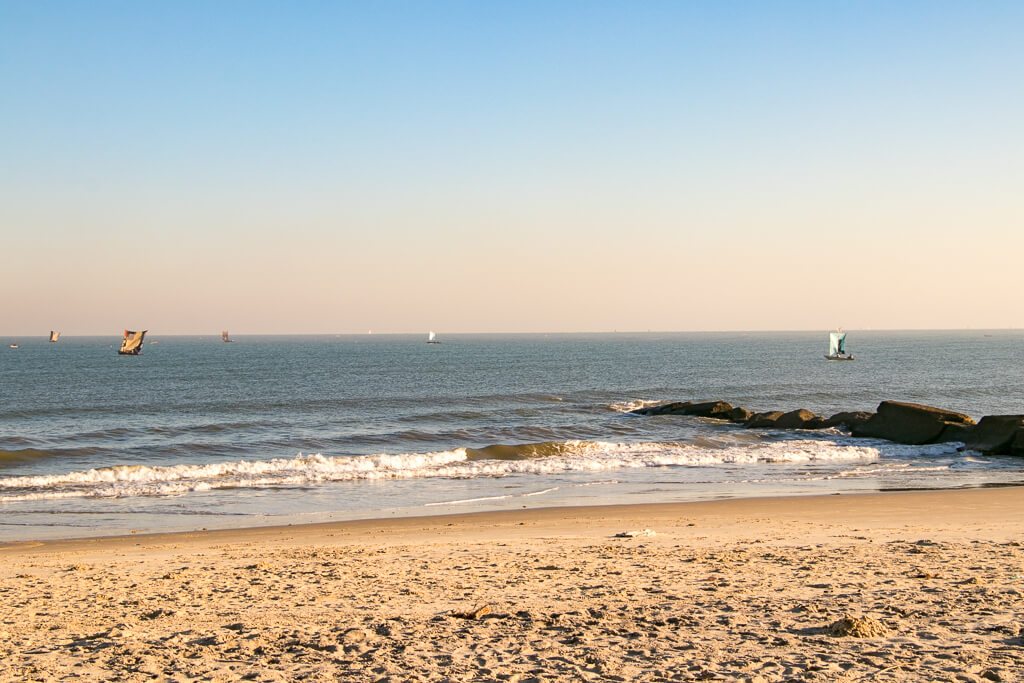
197, 433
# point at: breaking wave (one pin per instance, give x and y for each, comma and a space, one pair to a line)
493, 461
630, 406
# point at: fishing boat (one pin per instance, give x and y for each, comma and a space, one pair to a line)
432, 338
54, 336
837, 346
225, 338
131, 344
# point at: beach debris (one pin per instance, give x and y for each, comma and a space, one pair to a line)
112, 633
77, 568
857, 627
319, 643
175, 573
354, 635
549, 568
809, 608
156, 614
635, 534
480, 611
258, 565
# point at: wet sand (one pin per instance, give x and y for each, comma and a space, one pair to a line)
883, 587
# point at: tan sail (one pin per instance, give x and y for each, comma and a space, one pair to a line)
224, 336
54, 336
131, 345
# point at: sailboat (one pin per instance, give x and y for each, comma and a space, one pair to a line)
225, 338
54, 336
837, 346
131, 345
432, 338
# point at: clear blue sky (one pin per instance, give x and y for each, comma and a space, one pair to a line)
522, 166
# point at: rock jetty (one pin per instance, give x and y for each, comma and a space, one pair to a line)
913, 424
906, 423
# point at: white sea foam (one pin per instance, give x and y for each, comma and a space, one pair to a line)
929, 450
573, 456
891, 469
630, 406
463, 501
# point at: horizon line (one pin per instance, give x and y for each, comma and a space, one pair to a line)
563, 332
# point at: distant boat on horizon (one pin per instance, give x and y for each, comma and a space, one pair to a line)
432, 338
54, 336
14, 346
225, 338
837, 346
131, 343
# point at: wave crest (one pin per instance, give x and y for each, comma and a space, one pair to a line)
491, 461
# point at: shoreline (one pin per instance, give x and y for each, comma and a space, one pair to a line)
907, 586
837, 503
413, 514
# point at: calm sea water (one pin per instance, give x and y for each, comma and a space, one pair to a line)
196, 433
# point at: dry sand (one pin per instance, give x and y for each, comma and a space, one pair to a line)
898, 587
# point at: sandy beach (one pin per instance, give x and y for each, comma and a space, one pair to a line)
891, 587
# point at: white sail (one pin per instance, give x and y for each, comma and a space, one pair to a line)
834, 342
54, 336
431, 336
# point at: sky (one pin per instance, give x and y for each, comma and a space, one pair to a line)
339, 167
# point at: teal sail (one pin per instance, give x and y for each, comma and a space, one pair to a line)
836, 343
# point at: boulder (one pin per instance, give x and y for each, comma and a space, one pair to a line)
956, 432
738, 414
994, 434
794, 419
1017, 446
848, 419
763, 419
717, 409
909, 423
816, 422
674, 408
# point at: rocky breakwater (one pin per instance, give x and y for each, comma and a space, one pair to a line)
906, 423
997, 434
774, 419
911, 423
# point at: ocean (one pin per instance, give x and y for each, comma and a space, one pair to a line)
195, 433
